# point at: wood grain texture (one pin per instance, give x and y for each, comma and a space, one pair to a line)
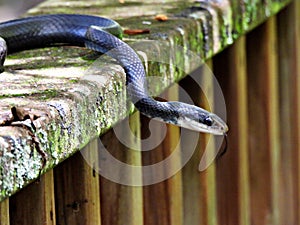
264, 142
193, 195
233, 197
4, 212
174, 182
77, 190
163, 200
121, 204
289, 80
34, 205
208, 200
199, 188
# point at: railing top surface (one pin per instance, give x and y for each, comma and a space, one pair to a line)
67, 107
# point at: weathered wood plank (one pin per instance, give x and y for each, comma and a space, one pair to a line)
199, 189
192, 192
208, 199
174, 190
4, 212
233, 197
163, 200
77, 190
121, 204
289, 80
34, 205
264, 142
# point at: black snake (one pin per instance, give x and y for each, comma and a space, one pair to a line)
102, 35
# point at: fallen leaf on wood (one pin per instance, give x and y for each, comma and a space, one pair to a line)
136, 31
161, 17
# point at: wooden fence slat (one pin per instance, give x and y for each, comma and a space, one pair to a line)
190, 177
208, 200
233, 197
163, 200
34, 205
199, 189
122, 204
289, 80
175, 182
4, 212
296, 6
77, 190
264, 142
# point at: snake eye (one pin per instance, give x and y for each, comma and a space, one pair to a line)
208, 121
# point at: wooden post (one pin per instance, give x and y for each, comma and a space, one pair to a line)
264, 142
233, 197
289, 80
192, 192
175, 182
163, 200
208, 194
199, 188
77, 190
4, 212
121, 204
34, 205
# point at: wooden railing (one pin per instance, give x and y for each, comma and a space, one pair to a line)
255, 182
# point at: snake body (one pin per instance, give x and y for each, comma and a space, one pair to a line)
103, 35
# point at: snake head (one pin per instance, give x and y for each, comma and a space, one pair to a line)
198, 119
